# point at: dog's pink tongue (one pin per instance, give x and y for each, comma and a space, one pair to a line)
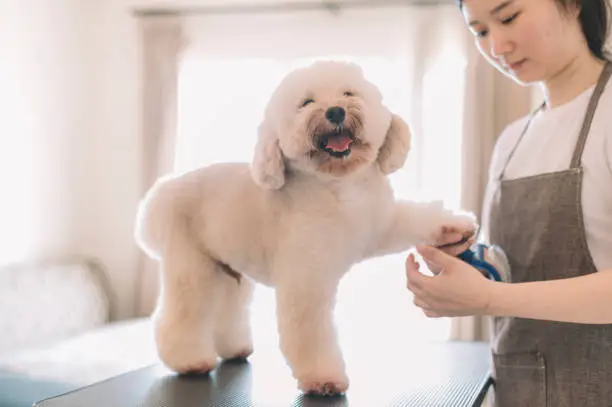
339, 143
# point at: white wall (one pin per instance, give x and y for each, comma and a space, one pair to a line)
40, 96
69, 108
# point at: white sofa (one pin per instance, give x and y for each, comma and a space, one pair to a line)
55, 333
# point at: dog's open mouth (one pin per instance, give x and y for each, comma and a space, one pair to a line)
337, 143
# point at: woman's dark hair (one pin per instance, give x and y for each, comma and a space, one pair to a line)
594, 19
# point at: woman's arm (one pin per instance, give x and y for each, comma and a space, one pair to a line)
460, 289
585, 299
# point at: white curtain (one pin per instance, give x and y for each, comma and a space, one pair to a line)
162, 41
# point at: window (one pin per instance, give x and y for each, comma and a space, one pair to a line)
221, 105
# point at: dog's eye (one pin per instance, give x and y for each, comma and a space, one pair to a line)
348, 94
307, 102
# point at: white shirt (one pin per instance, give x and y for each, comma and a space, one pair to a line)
548, 146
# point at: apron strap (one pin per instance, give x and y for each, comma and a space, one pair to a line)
586, 123
531, 116
590, 113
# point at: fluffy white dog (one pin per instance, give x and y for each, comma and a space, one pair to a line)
315, 201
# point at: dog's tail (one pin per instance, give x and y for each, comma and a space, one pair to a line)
159, 216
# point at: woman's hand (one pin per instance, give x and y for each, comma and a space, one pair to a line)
450, 243
456, 289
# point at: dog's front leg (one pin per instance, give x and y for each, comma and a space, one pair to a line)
415, 223
305, 295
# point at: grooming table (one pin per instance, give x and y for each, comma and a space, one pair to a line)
444, 374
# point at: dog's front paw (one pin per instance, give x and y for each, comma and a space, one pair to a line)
183, 347
325, 388
320, 374
454, 228
324, 384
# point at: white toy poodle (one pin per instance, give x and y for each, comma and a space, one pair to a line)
315, 201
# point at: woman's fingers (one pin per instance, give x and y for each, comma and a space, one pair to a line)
420, 303
457, 249
435, 269
454, 251
448, 238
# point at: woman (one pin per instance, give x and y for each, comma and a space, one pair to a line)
548, 206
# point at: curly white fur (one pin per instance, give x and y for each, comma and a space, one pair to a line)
296, 220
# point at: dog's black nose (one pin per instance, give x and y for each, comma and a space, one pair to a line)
335, 115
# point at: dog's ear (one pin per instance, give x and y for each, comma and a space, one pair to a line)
268, 166
394, 151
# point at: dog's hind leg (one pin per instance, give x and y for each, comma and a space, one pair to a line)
233, 336
185, 315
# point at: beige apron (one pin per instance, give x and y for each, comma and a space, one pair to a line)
537, 221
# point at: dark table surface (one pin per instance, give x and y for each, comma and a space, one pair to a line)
431, 374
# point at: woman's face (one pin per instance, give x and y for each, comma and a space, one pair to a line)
529, 40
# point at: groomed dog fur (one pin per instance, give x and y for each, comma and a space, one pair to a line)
315, 201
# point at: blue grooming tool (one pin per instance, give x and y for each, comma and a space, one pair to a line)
476, 259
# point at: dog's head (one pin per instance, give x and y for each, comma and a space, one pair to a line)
327, 120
